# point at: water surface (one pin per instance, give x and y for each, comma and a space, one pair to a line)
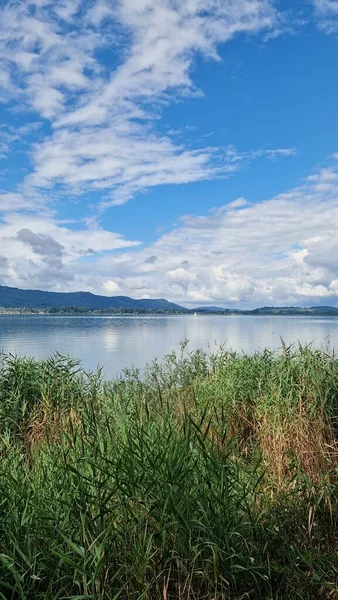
118, 342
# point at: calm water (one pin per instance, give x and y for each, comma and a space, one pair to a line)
118, 342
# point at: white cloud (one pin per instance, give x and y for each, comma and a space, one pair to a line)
41, 252
327, 14
278, 251
14, 201
127, 163
111, 287
104, 113
104, 134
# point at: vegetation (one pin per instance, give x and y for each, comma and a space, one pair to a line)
212, 477
14, 298
17, 301
79, 310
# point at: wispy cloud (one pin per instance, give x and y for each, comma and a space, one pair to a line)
327, 14
104, 112
90, 80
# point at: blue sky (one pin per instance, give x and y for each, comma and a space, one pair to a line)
185, 149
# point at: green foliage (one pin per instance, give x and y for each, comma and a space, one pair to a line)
163, 486
16, 298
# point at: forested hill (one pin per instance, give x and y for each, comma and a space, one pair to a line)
271, 310
11, 297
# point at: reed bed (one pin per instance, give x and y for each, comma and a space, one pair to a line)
212, 477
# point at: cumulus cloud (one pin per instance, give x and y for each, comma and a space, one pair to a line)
277, 251
49, 251
41, 244
37, 251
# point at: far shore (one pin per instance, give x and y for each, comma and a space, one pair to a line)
79, 311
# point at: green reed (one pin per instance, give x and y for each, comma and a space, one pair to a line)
213, 476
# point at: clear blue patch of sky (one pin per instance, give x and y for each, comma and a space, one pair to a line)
280, 94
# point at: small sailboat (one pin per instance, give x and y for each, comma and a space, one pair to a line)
195, 314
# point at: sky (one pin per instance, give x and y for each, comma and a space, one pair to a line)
178, 149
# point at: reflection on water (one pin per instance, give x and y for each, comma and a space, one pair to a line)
118, 342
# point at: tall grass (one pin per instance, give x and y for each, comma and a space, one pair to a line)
215, 476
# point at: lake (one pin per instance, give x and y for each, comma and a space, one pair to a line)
118, 342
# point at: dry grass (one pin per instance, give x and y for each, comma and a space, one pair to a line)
308, 441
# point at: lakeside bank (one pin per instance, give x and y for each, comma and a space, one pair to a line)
213, 477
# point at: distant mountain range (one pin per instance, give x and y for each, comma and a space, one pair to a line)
295, 310
271, 310
12, 298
